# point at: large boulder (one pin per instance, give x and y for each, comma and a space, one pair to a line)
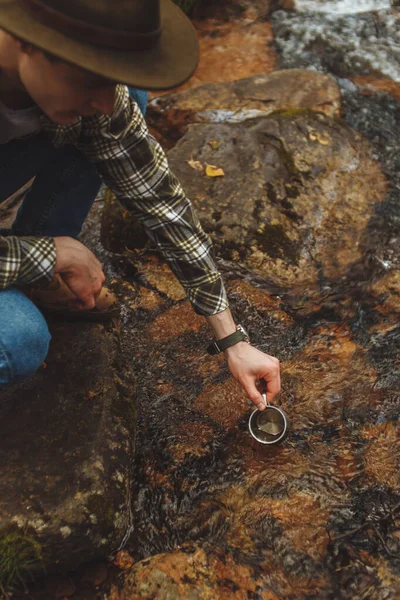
298, 191
231, 102
236, 101
65, 449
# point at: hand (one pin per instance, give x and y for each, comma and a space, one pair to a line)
80, 270
247, 365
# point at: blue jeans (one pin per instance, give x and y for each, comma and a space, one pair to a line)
65, 187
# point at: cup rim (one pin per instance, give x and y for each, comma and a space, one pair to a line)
281, 436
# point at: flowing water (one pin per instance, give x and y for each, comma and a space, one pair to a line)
317, 517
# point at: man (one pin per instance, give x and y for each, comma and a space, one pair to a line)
64, 120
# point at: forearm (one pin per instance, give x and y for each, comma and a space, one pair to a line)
221, 324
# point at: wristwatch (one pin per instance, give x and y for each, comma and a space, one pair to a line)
218, 346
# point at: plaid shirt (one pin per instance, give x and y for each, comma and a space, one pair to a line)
133, 165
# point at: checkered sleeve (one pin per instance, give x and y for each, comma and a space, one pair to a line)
25, 260
134, 166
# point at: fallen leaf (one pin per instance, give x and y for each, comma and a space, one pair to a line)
315, 137
214, 144
195, 164
213, 171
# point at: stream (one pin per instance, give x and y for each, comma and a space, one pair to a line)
317, 517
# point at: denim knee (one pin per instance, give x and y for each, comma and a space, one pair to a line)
24, 337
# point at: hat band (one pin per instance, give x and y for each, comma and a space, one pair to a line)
92, 34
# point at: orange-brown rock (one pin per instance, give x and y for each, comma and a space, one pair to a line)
371, 85
176, 321
382, 455
192, 440
160, 277
265, 303
386, 290
325, 375
195, 573
235, 41
225, 403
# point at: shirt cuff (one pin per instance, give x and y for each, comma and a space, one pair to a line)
209, 298
38, 258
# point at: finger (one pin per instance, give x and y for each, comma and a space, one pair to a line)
273, 382
253, 393
97, 290
86, 301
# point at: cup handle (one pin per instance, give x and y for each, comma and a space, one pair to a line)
264, 396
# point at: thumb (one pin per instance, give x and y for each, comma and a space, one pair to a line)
254, 394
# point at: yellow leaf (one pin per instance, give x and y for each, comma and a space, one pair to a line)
214, 144
213, 171
315, 137
195, 164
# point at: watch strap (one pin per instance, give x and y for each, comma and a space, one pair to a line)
220, 345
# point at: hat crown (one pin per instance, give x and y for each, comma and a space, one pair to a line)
140, 16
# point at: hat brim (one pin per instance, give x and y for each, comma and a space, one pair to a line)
168, 64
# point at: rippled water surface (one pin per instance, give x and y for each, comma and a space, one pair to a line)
317, 517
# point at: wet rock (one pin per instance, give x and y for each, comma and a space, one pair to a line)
298, 192
60, 587
371, 85
169, 117
386, 291
262, 301
382, 455
327, 377
176, 321
65, 449
119, 229
95, 574
225, 403
243, 99
193, 572
160, 277
235, 40
364, 44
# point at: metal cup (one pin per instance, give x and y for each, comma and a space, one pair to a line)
269, 426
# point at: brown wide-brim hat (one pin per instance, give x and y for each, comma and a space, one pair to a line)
149, 44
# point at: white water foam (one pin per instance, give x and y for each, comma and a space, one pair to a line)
365, 43
341, 7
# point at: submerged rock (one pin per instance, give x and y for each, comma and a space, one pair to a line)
193, 572
65, 448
